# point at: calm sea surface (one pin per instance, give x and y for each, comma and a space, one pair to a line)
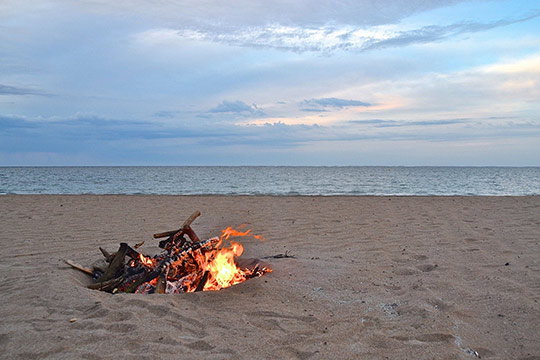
271, 180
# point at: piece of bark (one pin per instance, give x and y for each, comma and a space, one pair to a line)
202, 282
116, 266
108, 285
132, 253
79, 267
186, 224
280, 256
161, 285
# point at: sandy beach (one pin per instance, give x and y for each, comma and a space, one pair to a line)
373, 278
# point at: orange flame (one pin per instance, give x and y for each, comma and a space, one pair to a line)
223, 270
220, 262
146, 261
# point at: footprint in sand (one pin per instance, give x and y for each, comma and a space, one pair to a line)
427, 267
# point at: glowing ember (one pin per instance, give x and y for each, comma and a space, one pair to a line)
145, 261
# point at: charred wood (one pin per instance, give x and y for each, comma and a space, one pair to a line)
255, 272
280, 256
116, 266
108, 285
106, 254
202, 282
161, 285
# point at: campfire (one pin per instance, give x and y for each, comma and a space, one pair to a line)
187, 264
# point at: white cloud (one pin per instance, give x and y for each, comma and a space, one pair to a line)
325, 38
530, 64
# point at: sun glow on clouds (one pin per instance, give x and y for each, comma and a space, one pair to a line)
322, 116
530, 65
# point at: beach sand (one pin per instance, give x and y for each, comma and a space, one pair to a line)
373, 278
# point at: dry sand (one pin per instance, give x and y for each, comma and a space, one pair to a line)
374, 278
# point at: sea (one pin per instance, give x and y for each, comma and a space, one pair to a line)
272, 180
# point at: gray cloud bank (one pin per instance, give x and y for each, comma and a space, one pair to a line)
15, 90
234, 107
334, 102
71, 134
87, 139
435, 32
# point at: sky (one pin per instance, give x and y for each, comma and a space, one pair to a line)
270, 82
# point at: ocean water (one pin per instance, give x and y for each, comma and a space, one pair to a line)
270, 180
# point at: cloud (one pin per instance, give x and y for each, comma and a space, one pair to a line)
313, 110
15, 90
99, 140
15, 122
435, 32
166, 114
79, 127
327, 37
89, 129
232, 106
236, 107
403, 123
332, 102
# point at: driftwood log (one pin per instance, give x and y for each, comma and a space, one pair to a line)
86, 270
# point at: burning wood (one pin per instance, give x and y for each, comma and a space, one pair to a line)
186, 265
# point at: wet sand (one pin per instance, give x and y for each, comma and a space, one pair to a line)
373, 278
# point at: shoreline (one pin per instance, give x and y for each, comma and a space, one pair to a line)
279, 195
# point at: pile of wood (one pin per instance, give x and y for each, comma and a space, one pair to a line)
176, 270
